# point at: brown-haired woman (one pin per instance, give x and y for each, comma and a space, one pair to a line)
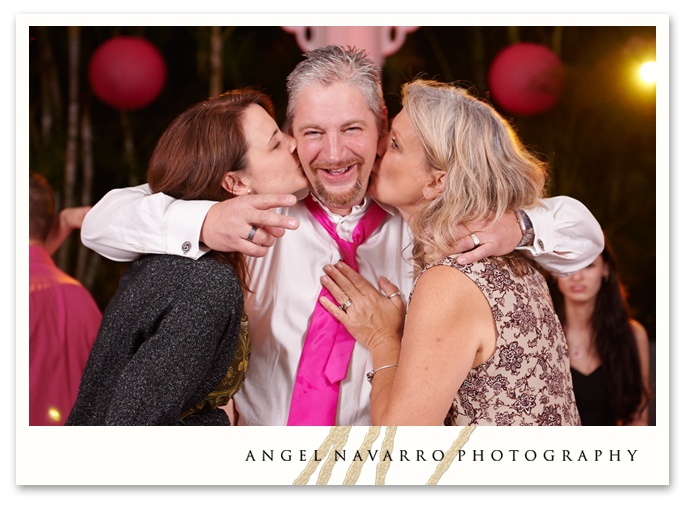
170, 349
608, 351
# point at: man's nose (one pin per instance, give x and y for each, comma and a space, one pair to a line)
336, 148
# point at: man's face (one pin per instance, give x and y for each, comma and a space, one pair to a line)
337, 143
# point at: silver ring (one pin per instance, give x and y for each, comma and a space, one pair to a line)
393, 295
476, 241
346, 305
253, 231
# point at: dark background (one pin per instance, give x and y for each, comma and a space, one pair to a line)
599, 139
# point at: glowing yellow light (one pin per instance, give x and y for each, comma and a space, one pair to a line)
648, 72
54, 414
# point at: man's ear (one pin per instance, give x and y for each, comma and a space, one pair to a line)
436, 185
235, 184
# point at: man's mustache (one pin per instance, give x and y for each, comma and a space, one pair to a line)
339, 165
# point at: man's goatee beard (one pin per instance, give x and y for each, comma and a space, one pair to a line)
352, 197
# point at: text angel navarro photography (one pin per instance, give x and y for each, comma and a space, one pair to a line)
550, 455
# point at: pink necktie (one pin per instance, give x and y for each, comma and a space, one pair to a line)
328, 345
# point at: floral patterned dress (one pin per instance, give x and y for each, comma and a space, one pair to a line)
527, 381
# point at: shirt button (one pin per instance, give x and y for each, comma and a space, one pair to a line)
540, 244
186, 246
141, 248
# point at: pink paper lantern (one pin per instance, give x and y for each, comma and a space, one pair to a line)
127, 72
525, 79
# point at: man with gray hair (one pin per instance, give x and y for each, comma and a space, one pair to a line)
305, 369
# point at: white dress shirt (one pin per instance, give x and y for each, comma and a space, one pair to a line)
285, 283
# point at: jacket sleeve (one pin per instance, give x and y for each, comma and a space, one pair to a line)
568, 237
172, 368
129, 222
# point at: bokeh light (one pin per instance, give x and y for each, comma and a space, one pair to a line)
54, 414
648, 72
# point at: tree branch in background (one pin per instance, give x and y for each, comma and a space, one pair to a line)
479, 59
557, 40
51, 104
129, 146
73, 34
87, 183
216, 65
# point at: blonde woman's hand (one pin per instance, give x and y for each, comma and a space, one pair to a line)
372, 318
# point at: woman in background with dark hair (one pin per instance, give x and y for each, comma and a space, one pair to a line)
608, 352
170, 349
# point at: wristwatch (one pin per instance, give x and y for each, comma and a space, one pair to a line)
527, 230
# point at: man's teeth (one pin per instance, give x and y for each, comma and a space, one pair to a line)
336, 172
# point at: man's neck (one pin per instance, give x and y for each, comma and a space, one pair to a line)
341, 211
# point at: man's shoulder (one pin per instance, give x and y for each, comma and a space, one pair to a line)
47, 275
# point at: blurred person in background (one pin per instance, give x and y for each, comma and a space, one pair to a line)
63, 317
608, 351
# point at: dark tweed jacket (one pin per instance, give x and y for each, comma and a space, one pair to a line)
167, 339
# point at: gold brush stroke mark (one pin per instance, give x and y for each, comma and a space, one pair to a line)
383, 465
337, 437
354, 471
464, 436
340, 437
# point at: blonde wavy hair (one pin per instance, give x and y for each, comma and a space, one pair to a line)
488, 169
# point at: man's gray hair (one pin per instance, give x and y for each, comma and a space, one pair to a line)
335, 64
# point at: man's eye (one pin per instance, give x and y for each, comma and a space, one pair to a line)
277, 145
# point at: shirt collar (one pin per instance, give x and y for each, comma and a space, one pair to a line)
38, 255
356, 211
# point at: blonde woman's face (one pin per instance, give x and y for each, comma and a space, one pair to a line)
400, 176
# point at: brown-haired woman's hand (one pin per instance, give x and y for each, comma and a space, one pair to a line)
371, 318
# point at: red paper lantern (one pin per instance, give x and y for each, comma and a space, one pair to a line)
525, 78
127, 72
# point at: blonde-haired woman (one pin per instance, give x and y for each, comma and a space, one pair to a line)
481, 343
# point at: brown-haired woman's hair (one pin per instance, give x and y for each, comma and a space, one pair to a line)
488, 169
615, 342
199, 148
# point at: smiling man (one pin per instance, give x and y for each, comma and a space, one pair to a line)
305, 370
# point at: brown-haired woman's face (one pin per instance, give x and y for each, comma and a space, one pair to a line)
273, 165
583, 285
